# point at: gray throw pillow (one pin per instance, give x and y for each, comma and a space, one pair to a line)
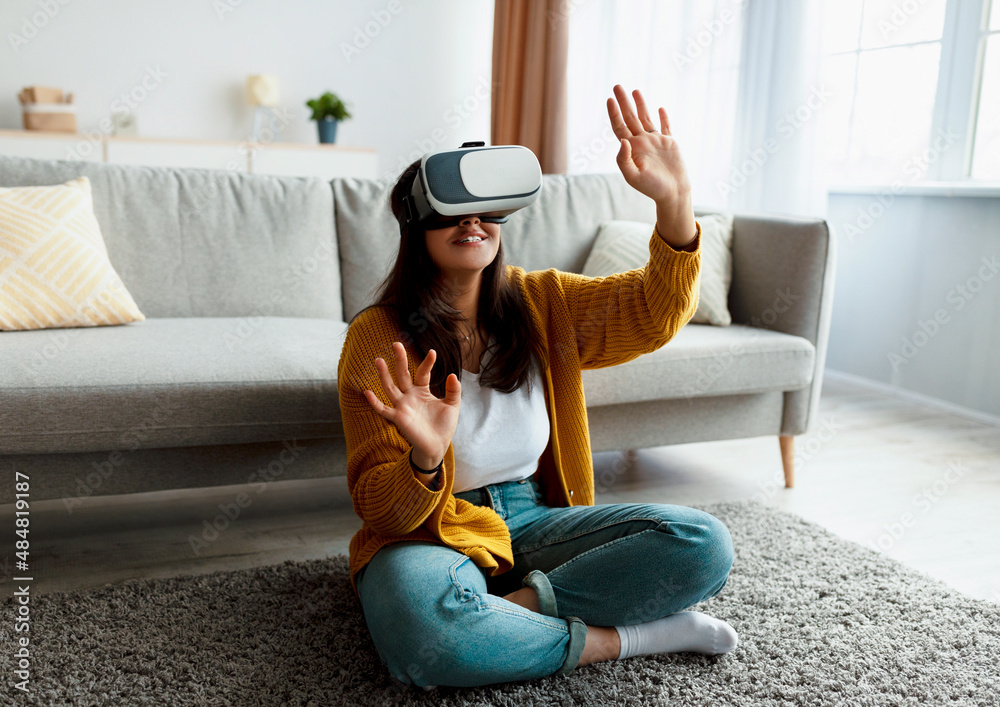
624, 245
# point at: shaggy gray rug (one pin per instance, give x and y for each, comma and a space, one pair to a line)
822, 621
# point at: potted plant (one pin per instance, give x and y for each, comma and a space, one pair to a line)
328, 110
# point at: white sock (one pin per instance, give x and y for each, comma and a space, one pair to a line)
683, 631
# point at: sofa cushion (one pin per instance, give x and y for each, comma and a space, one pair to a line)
624, 245
170, 382
54, 267
208, 243
368, 235
704, 360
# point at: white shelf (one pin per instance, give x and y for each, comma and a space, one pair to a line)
49, 146
155, 153
282, 159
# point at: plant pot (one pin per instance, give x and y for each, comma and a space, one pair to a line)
327, 130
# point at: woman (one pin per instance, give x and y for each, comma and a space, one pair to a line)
482, 557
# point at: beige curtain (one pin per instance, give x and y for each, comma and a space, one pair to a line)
530, 48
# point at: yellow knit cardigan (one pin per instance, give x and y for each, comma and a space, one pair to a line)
582, 323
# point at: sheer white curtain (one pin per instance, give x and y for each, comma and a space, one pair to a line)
726, 71
682, 55
778, 164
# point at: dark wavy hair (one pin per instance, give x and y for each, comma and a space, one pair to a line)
414, 290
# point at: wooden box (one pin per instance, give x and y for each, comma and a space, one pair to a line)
48, 109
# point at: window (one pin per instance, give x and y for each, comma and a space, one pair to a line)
882, 71
916, 87
986, 152
684, 56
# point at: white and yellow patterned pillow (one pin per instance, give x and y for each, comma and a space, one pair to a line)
624, 245
54, 267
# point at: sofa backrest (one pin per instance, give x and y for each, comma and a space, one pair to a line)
208, 243
557, 231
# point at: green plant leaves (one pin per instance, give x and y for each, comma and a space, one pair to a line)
328, 106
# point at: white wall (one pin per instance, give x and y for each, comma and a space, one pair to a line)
917, 300
417, 75
420, 81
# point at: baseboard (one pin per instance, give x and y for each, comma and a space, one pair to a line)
918, 398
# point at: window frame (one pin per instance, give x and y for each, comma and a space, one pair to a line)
960, 76
956, 104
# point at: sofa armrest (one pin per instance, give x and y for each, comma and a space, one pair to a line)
783, 275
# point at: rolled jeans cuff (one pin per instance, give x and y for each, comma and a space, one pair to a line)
537, 580
577, 640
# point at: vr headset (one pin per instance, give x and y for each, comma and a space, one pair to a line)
492, 182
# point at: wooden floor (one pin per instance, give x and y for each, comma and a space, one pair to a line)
918, 483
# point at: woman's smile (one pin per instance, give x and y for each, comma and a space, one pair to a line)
471, 243
468, 239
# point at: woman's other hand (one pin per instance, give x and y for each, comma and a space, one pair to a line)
650, 161
427, 422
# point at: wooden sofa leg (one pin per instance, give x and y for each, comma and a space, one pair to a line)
787, 443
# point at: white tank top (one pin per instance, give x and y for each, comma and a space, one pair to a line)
500, 436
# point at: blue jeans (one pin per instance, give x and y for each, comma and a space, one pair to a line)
436, 618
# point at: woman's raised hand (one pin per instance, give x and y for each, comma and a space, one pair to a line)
427, 422
651, 163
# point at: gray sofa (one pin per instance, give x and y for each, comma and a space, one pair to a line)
247, 282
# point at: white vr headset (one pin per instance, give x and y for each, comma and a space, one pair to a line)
492, 182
